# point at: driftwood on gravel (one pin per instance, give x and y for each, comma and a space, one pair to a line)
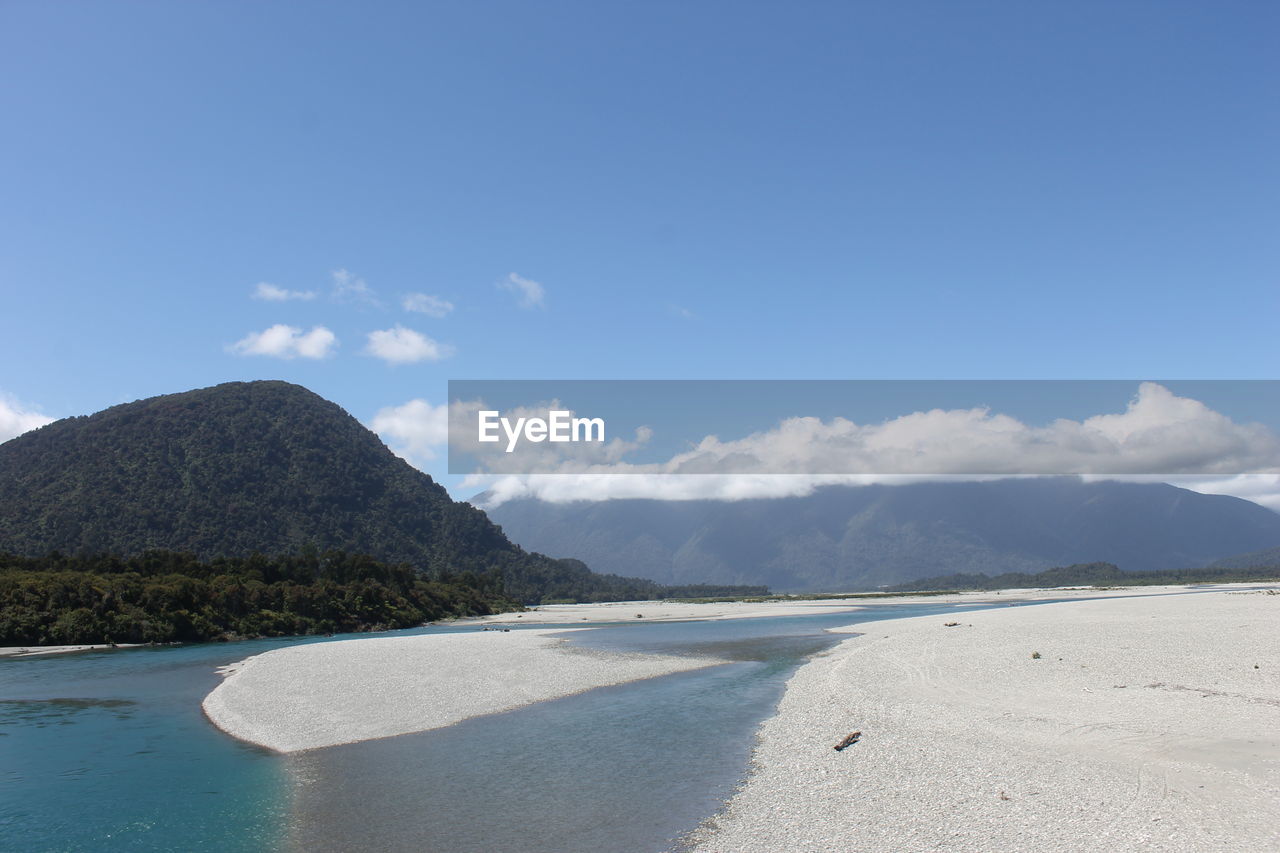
849, 740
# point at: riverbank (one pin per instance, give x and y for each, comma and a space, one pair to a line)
672, 611
33, 651
324, 694
1148, 723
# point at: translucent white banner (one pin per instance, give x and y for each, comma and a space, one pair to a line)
865, 427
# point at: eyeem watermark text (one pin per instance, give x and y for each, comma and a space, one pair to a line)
557, 426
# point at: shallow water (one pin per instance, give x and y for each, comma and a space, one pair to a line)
106, 751
628, 768
109, 751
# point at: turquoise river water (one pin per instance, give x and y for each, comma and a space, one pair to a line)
109, 751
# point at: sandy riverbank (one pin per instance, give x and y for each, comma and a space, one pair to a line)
324, 694
1146, 723
671, 611
33, 651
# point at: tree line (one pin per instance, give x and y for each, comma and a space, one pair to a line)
1088, 574
168, 596
162, 597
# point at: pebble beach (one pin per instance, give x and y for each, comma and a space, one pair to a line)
1147, 723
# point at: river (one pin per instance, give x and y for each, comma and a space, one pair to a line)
109, 750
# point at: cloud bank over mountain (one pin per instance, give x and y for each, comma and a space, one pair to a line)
1159, 435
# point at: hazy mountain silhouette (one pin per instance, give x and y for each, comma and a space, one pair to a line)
865, 536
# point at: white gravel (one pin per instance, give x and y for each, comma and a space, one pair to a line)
34, 651
325, 694
671, 611
1144, 725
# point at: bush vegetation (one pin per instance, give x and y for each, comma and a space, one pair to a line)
1088, 574
161, 597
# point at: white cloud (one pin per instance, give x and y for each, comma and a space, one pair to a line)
268, 292
1159, 433
16, 418
1260, 488
415, 431
562, 488
399, 345
281, 341
529, 293
425, 303
350, 288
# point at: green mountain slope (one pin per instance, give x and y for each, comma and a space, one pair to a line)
228, 470
256, 467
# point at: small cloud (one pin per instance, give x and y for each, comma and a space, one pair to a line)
15, 418
415, 431
399, 345
681, 312
349, 288
281, 341
425, 303
268, 292
529, 293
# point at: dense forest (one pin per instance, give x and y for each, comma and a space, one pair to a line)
164, 596
160, 597
244, 469
1088, 574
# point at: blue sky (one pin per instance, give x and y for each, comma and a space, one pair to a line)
699, 190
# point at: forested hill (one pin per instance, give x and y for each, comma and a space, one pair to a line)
256, 467
1088, 574
228, 471
1267, 557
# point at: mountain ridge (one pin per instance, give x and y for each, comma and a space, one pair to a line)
863, 537
196, 448
264, 467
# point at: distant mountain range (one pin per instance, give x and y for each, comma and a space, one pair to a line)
265, 467
863, 537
